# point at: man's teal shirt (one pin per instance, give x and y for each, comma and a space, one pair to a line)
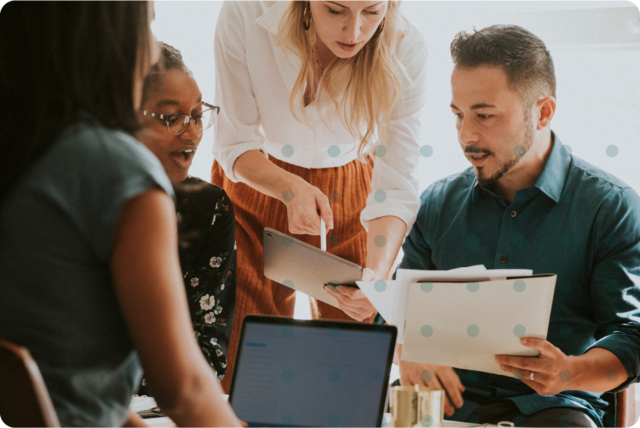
576, 221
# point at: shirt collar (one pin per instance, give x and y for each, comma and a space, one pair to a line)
554, 174
270, 20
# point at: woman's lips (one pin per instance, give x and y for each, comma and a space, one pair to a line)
347, 47
183, 158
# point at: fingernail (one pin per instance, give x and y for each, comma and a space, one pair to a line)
497, 359
337, 287
523, 341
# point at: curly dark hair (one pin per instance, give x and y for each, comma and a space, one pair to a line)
170, 59
524, 57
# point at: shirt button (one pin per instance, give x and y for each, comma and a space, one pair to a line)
513, 213
503, 260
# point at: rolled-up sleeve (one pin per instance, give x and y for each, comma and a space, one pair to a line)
394, 182
615, 285
237, 130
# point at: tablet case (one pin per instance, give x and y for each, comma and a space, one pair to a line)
305, 268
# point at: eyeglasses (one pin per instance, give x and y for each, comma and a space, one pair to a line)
177, 123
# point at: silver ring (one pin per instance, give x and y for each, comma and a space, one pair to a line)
531, 375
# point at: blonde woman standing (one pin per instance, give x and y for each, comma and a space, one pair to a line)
312, 93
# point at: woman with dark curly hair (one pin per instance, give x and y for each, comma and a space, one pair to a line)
175, 116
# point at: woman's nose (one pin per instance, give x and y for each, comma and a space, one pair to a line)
192, 132
352, 29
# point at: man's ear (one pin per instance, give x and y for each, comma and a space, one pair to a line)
545, 109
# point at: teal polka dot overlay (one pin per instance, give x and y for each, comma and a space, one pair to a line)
380, 196
380, 241
519, 285
565, 286
426, 330
287, 421
426, 421
288, 283
381, 151
334, 151
287, 151
334, 282
612, 241
287, 376
473, 286
426, 375
473, 376
334, 421
426, 151
612, 285
566, 330
473, 330
426, 286
333, 376
565, 420
519, 151
380, 285
473, 241
519, 331
519, 241
287, 241
565, 241
519, 420
566, 150
334, 330
287, 330
612, 151
379, 375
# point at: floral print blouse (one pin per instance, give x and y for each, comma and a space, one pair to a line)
206, 236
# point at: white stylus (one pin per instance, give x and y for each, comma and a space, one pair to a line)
323, 235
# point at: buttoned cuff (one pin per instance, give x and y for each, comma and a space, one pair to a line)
398, 203
227, 155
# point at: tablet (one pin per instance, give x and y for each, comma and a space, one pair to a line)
305, 268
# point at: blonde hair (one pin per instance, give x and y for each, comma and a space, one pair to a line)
360, 90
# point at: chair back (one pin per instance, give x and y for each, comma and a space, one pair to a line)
626, 407
24, 400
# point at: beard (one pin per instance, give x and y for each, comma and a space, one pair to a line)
504, 166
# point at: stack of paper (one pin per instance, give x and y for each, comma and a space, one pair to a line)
464, 317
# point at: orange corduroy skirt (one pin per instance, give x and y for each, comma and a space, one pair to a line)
347, 188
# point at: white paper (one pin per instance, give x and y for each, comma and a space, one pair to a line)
453, 325
390, 299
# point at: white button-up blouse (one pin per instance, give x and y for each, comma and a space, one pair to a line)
254, 78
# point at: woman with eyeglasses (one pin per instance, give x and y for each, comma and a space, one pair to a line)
174, 116
312, 93
90, 280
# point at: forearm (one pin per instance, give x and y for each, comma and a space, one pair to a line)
255, 170
599, 370
383, 243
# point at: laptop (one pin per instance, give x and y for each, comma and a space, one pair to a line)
311, 373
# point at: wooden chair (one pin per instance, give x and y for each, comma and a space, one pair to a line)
626, 407
24, 400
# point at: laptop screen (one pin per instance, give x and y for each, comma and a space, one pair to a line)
311, 373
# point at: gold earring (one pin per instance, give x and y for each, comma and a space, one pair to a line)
381, 27
306, 17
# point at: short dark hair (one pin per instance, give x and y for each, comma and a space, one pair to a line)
524, 57
60, 59
170, 59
